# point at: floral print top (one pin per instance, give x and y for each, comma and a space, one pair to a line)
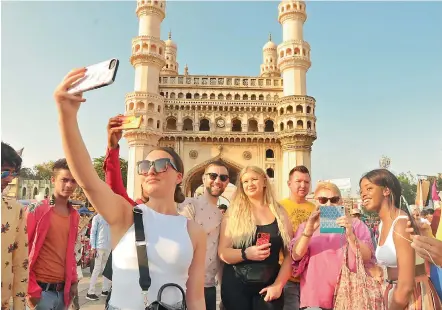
14, 259
209, 217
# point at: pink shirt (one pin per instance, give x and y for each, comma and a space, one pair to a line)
321, 265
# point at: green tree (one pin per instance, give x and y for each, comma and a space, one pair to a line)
43, 171
27, 173
98, 165
409, 186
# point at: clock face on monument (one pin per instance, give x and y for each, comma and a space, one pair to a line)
220, 123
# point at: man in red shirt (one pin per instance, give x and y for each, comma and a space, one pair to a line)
52, 233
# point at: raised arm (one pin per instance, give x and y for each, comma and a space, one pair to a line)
111, 167
304, 233
112, 207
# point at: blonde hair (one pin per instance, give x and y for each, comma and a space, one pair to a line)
327, 186
240, 225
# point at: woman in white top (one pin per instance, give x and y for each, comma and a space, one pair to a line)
176, 247
409, 286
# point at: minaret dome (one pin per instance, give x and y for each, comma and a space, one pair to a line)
269, 65
171, 66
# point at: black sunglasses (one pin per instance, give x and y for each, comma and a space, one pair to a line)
159, 165
324, 200
222, 177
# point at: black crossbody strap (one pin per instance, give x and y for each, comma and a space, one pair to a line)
140, 242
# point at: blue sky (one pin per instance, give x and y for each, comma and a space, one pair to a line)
376, 72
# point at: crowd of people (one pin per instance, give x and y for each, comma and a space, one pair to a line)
262, 252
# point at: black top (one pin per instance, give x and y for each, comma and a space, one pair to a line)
275, 240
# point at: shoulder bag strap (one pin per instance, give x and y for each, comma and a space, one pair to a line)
140, 242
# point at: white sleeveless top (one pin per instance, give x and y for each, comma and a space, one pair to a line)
386, 254
169, 251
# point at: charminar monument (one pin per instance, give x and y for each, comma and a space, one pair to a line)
265, 120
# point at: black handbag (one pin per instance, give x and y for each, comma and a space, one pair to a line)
256, 273
143, 266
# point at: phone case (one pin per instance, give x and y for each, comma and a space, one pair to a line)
98, 75
131, 122
328, 217
263, 238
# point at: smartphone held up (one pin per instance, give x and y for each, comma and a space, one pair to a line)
328, 217
97, 76
130, 122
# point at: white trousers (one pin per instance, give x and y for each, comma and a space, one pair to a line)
100, 263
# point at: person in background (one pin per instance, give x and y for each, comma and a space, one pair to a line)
298, 210
100, 250
355, 213
52, 233
82, 228
427, 214
253, 212
204, 211
14, 268
318, 257
222, 208
409, 286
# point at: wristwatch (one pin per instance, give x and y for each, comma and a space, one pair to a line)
243, 254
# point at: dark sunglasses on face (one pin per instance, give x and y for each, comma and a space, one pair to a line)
159, 165
222, 177
6, 174
324, 200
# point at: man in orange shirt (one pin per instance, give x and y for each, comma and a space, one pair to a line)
52, 233
299, 210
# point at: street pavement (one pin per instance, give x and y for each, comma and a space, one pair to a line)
83, 287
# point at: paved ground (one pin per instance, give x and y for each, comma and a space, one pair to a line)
83, 287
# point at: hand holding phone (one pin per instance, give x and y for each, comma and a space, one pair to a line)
130, 122
263, 238
328, 219
98, 75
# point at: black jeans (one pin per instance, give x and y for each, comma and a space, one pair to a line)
210, 296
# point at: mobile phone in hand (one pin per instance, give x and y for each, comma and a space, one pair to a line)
98, 75
263, 238
130, 122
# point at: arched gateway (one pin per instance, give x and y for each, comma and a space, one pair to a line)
194, 178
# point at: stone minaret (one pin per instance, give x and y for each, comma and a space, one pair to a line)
171, 66
147, 59
269, 66
296, 110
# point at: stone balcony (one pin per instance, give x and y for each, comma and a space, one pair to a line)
204, 81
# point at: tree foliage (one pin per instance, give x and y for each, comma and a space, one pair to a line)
28, 174
43, 171
98, 165
409, 186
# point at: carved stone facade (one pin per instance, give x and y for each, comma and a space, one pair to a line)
267, 120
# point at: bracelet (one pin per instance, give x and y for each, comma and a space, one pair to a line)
305, 235
243, 254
